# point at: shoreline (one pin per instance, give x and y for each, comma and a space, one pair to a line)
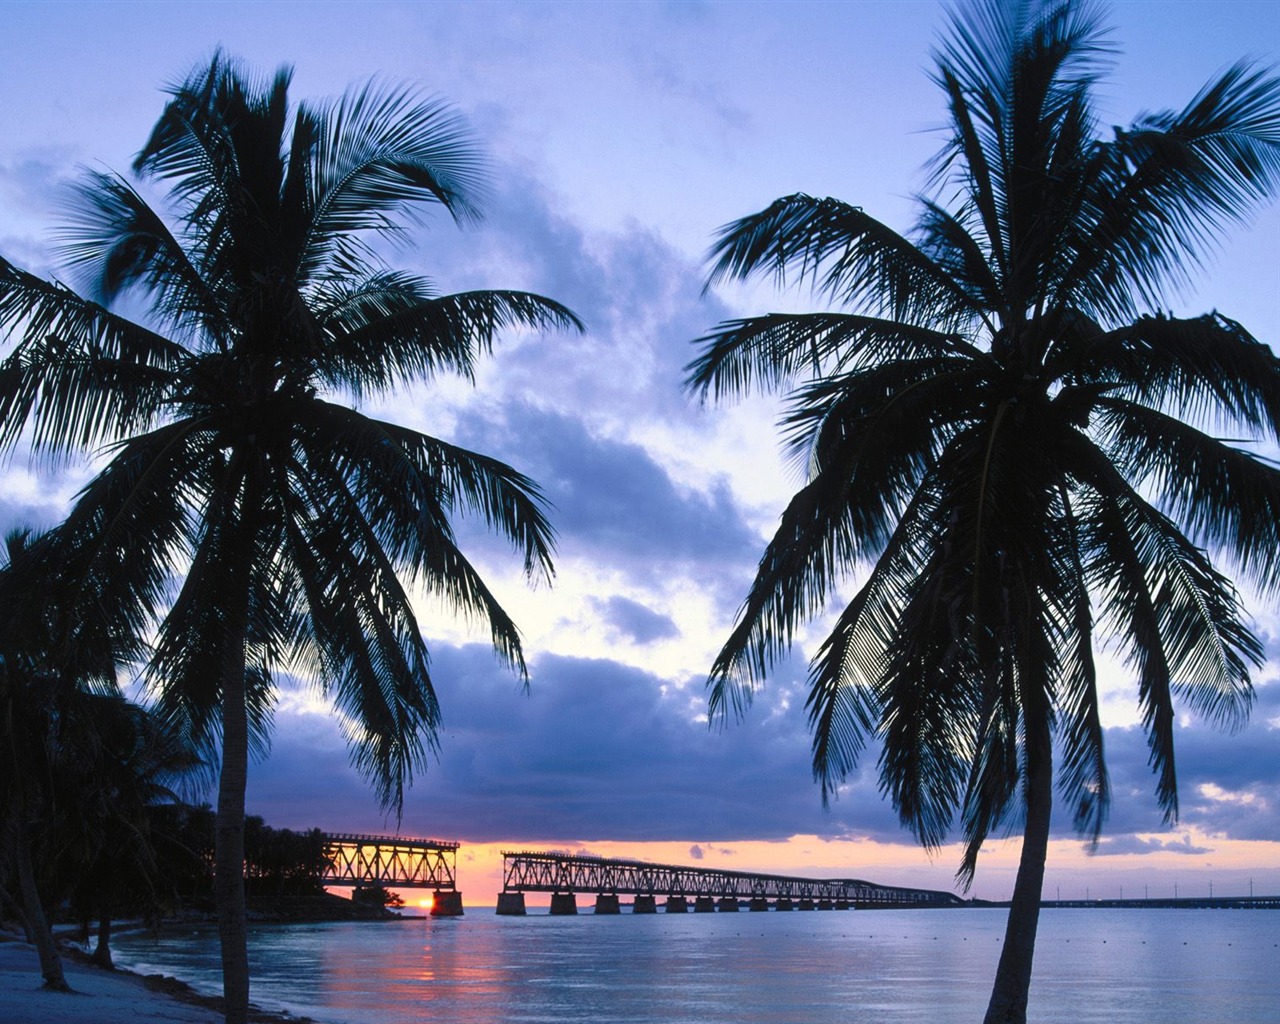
102, 996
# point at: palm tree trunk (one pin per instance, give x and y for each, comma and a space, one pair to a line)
1013, 974
102, 951
229, 895
46, 948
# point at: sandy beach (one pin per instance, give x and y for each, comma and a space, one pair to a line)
100, 997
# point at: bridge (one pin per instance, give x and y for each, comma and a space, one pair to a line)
1177, 903
393, 862
707, 889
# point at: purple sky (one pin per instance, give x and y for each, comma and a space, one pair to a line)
621, 136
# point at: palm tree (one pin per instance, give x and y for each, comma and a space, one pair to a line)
108, 848
58, 698
993, 426
299, 523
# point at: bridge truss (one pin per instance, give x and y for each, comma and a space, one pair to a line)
389, 861
559, 874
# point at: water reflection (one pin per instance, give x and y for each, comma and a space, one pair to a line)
882, 967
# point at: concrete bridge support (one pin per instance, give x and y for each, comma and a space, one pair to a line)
758, 903
806, 904
607, 903
511, 904
676, 905
784, 904
645, 905
728, 904
446, 903
704, 905
564, 903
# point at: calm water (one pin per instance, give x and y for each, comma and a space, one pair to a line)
860, 967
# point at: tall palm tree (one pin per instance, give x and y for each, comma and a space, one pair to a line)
993, 425
297, 523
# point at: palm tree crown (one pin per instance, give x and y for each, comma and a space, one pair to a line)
1003, 431
299, 522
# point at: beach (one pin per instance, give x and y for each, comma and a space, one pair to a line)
101, 996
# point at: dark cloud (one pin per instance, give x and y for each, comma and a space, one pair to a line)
600, 751
635, 620
695, 851
595, 751
613, 502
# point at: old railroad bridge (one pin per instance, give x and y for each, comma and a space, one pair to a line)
365, 861
397, 863
685, 888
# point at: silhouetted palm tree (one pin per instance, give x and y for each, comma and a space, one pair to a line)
59, 655
994, 433
136, 763
294, 517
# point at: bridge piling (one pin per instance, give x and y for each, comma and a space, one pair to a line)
563, 904
446, 903
511, 904
607, 903
645, 905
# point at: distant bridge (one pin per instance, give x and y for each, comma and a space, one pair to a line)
1177, 903
708, 889
394, 862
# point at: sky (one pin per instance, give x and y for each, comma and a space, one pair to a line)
620, 137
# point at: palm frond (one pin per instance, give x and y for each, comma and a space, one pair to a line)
1218, 493
846, 255
389, 330
380, 151
770, 352
80, 375
117, 240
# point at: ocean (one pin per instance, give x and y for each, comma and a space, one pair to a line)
1153, 966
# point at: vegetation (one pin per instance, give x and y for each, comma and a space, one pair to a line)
298, 521
1010, 443
82, 766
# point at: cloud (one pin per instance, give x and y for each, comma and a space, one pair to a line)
612, 500
599, 751
595, 751
1228, 784
1140, 845
635, 620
